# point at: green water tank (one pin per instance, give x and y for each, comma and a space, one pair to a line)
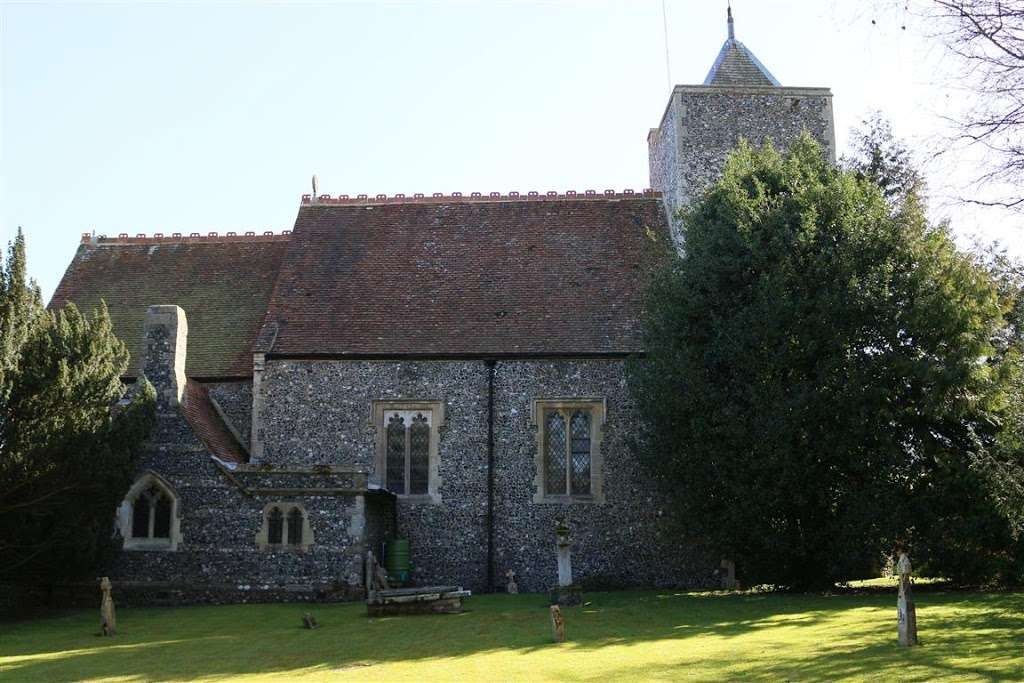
396, 560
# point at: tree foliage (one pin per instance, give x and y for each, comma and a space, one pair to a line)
68, 435
881, 158
985, 38
816, 383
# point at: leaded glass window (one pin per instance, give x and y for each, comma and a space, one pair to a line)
407, 447
579, 468
419, 454
567, 450
396, 454
555, 446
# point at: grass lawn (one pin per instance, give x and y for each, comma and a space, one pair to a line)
634, 635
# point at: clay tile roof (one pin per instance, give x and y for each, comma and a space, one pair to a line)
503, 277
223, 284
202, 417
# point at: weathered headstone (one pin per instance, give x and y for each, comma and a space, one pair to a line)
566, 592
557, 624
728, 575
309, 621
108, 623
906, 611
512, 586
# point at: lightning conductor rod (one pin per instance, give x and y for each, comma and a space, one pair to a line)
664, 26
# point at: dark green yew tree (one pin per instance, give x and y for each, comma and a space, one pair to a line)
816, 376
68, 435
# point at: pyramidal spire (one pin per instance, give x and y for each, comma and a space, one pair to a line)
736, 65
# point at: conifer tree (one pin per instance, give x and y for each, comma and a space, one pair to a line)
68, 434
815, 385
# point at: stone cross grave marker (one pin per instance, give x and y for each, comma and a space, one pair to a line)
108, 623
906, 611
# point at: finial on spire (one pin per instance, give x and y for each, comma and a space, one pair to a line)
732, 32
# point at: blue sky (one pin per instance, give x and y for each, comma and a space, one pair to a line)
193, 117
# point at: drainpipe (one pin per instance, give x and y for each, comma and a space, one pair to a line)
490, 474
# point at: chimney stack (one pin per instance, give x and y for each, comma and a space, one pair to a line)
165, 338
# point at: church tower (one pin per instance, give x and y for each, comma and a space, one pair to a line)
739, 98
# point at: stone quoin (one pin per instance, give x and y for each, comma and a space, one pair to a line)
446, 369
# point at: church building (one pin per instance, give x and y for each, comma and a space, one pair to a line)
446, 369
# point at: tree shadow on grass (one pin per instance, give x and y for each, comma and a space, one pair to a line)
851, 636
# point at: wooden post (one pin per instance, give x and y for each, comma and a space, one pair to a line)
557, 624
108, 623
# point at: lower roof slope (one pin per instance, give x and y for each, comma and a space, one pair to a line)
454, 277
222, 283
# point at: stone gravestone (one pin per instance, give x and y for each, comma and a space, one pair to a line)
906, 611
566, 592
309, 621
557, 624
727, 573
512, 586
108, 624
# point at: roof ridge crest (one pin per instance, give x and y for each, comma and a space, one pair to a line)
194, 237
441, 198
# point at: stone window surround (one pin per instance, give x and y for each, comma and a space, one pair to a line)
263, 536
145, 481
598, 412
437, 422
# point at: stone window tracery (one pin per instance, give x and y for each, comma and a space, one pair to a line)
285, 527
148, 518
407, 447
568, 450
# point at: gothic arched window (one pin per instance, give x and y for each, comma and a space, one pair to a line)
148, 517
285, 527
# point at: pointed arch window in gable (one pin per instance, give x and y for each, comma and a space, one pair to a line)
148, 519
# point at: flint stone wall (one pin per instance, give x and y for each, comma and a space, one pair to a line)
217, 558
702, 124
320, 411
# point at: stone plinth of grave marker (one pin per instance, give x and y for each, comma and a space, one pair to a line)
566, 592
906, 611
